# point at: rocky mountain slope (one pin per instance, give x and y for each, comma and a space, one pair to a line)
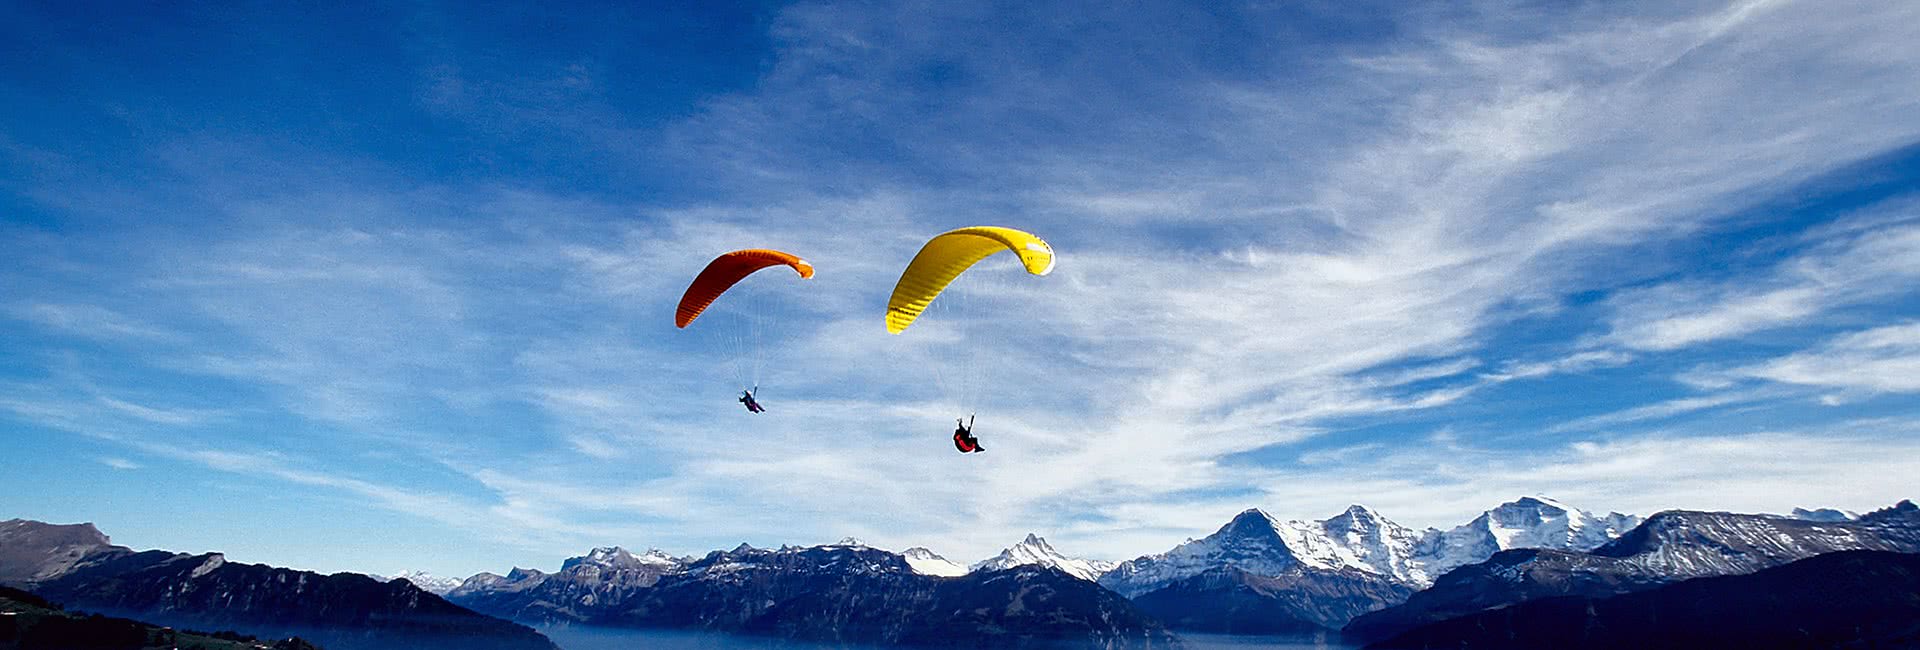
584, 589
31, 551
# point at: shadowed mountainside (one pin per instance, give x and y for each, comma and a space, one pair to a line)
341, 611
1849, 599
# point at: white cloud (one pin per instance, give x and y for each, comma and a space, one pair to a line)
1854, 267
167, 416
1665, 409
1576, 362
1880, 360
118, 463
89, 321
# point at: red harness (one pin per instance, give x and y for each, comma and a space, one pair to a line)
960, 442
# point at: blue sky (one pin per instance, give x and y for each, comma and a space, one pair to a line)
377, 287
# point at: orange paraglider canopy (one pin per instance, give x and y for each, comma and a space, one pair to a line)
727, 270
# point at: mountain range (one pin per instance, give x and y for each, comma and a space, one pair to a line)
846, 593
1355, 571
1255, 574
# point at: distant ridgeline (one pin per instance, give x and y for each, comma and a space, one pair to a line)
1380, 582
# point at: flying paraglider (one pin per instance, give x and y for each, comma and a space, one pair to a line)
937, 265
716, 279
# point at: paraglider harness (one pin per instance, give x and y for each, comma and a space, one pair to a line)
746, 397
963, 437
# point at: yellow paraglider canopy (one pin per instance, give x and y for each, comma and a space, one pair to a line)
945, 257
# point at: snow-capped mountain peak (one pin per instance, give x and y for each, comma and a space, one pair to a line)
428, 582
1539, 522
1527, 522
1357, 538
1359, 521
619, 559
1035, 550
1037, 542
1250, 524
1251, 542
928, 563
658, 557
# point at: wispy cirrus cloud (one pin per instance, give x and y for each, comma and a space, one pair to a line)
89, 321
1879, 360
1667, 409
1850, 268
119, 463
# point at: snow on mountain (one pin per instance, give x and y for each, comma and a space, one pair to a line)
1250, 542
1528, 522
928, 563
1684, 544
617, 558
428, 582
1828, 515
1359, 538
1034, 550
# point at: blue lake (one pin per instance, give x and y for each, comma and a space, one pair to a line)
596, 638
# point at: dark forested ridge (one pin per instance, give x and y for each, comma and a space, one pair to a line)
1848, 599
